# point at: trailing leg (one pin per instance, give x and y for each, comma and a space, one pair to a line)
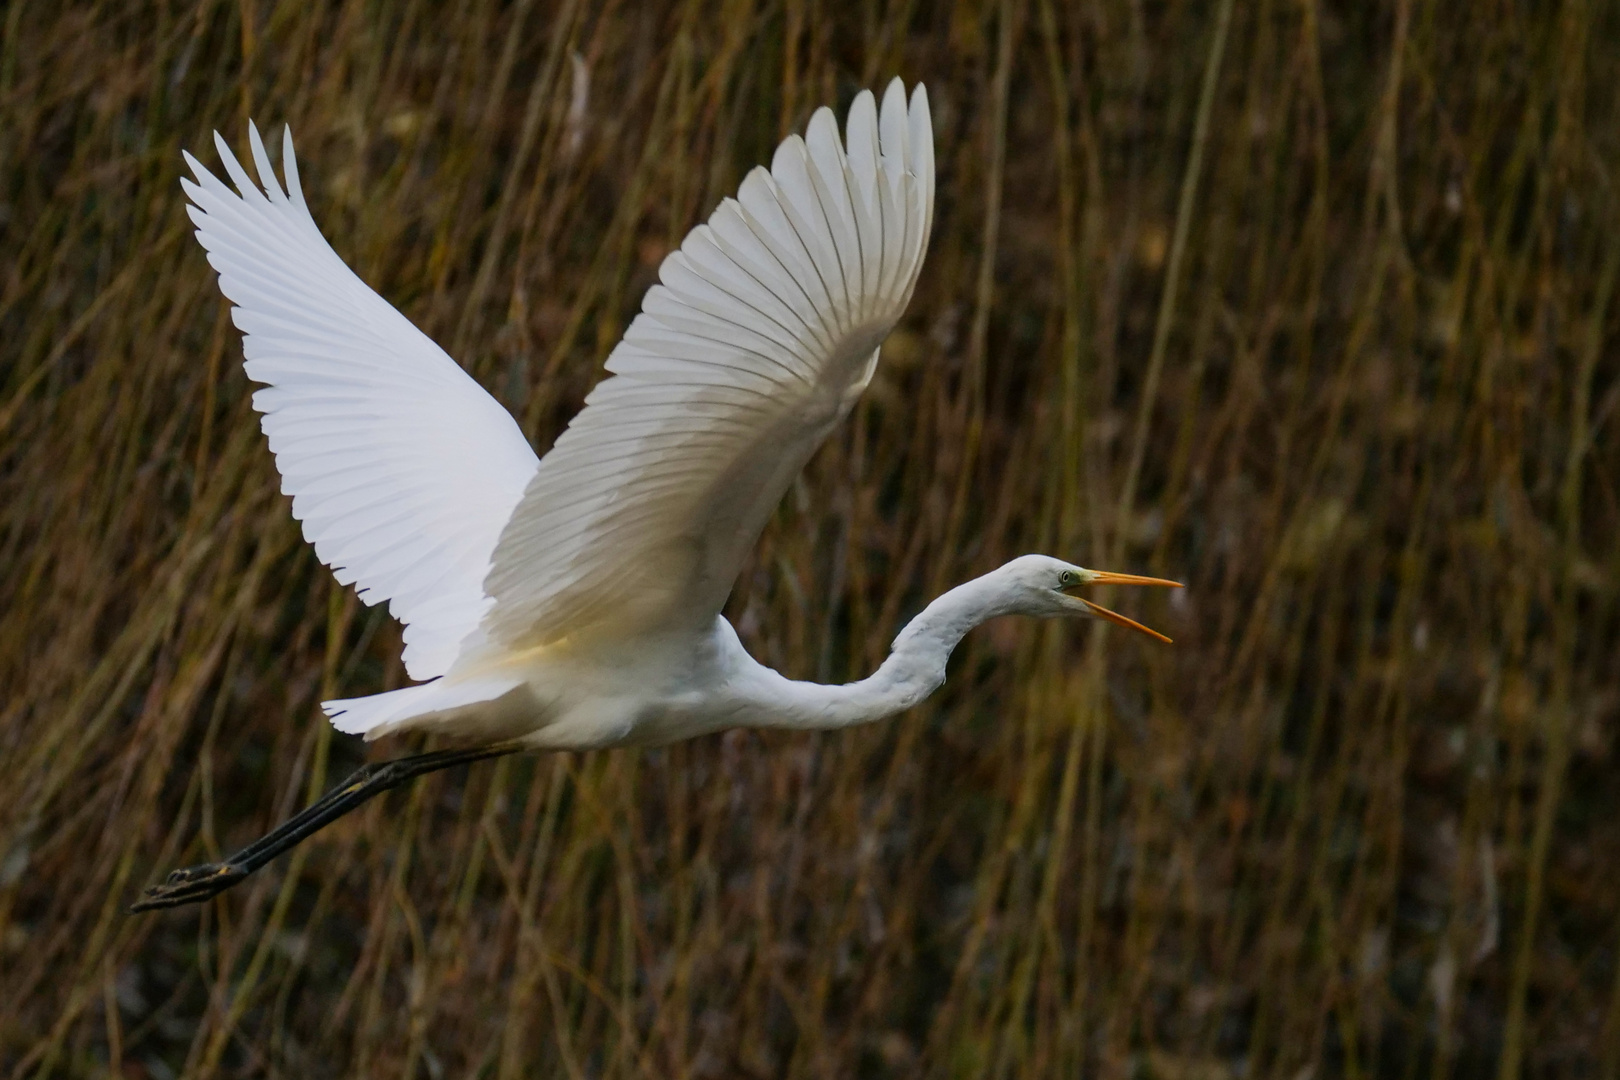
194, 884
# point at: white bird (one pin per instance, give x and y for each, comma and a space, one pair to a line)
574, 601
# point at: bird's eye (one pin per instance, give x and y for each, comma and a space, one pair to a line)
1066, 578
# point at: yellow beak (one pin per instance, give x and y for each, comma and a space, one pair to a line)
1106, 577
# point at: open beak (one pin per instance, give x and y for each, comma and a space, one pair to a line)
1105, 577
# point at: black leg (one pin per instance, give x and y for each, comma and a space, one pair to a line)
195, 884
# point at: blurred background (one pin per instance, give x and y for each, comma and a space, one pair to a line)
1308, 304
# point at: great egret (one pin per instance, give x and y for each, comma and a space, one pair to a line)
573, 602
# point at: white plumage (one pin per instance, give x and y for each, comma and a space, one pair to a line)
762, 332
575, 601
401, 468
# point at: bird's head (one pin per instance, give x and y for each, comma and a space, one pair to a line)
1043, 586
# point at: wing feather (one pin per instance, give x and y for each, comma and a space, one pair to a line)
759, 337
401, 468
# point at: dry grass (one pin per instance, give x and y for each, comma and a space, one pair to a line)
1310, 306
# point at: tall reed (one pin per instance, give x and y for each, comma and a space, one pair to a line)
1311, 306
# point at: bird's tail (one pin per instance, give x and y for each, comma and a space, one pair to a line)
430, 704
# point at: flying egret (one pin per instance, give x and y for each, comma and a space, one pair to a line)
573, 602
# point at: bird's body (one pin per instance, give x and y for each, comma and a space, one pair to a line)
644, 691
659, 688
573, 601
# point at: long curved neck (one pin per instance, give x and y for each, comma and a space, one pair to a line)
914, 669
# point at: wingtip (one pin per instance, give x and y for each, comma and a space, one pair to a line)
289, 170
922, 146
261, 161
233, 168
892, 124
922, 121
787, 151
823, 125
227, 158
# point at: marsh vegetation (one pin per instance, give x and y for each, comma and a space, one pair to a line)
1308, 305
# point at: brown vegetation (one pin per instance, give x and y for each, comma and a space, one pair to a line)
1309, 305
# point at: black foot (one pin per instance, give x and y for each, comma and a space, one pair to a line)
192, 885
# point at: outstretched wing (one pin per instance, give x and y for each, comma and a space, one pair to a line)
401, 468
763, 332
